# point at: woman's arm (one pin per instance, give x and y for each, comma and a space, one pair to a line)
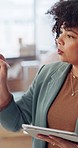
5, 95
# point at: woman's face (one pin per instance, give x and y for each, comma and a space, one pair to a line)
67, 44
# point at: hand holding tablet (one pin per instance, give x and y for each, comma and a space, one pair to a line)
35, 130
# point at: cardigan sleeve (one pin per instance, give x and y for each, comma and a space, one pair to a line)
19, 112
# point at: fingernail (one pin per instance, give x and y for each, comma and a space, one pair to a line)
51, 136
39, 136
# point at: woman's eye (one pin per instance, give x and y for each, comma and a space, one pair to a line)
70, 36
60, 32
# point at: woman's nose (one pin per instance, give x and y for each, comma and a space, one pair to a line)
60, 40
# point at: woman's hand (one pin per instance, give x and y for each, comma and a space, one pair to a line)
4, 91
55, 141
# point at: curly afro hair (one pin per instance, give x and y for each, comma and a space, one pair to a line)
64, 11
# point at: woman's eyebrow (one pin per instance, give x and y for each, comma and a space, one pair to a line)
72, 31
68, 29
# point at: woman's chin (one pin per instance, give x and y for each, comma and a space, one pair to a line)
62, 59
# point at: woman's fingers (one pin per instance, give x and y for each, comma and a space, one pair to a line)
58, 141
49, 139
45, 138
2, 57
3, 60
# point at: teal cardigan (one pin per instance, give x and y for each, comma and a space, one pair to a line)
34, 104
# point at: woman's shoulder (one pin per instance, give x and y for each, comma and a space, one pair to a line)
47, 70
55, 65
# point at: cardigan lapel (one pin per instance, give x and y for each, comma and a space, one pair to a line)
53, 88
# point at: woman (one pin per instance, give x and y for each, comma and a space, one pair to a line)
52, 99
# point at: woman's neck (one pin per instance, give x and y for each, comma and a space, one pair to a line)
75, 70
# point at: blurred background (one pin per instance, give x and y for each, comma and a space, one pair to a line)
27, 42
24, 23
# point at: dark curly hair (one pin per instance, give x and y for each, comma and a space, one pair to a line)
64, 11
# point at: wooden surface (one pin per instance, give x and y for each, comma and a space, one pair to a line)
14, 140
6, 134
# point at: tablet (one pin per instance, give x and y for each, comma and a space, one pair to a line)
35, 130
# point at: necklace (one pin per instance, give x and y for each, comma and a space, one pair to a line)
72, 87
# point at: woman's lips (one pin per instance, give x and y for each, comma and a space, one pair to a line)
60, 52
